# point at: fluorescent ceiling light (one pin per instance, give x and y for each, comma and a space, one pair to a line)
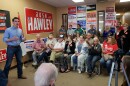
76, 1
124, 0
118, 14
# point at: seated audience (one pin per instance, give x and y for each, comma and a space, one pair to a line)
70, 31
94, 55
109, 47
46, 75
76, 37
80, 55
126, 62
39, 50
51, 41
58, 49
68, 51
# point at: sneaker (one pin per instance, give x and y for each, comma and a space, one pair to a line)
34, 63
79, 71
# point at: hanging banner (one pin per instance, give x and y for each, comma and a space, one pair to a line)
4, 20
38, 21
81, 9
111, 22
91, 19
110, 17
91, 16
2, 55
82, 23
72, 20
110, 9
81, 16
91, 7
71, 10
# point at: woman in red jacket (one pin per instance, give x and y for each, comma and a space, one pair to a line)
109, 47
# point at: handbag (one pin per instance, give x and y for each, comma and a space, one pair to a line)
107, 56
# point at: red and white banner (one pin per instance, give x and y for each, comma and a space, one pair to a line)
111, 22
110, 17
110, 9
91, 19
38, 21
72, 10
2, 55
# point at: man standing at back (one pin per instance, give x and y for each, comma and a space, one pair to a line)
13, 37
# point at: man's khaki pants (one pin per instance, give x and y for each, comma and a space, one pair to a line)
55, 55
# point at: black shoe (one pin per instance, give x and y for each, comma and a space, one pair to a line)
51, 61
36, 66
89, 75
22, 77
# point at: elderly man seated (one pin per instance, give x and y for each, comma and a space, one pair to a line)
58, 49
46, 75
39, 50
50, 43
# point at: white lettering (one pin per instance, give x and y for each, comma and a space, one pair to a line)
50, 23
47, 24
40, 23
35, 24
30, 24
44, 23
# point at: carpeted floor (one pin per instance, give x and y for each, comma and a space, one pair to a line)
64, 79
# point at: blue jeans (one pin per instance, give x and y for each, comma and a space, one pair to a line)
75, 60
3, 79
11, 52
106, 64
91, 61
43, 56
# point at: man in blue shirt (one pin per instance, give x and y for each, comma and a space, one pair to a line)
92, 30
13, 36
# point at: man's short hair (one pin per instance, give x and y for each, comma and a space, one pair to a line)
46, 73
14, 19
79, 25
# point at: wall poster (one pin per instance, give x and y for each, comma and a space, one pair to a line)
38, 21
4, 20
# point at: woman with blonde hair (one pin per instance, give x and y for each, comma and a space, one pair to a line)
108, 49
94, 55
124, 35
79, 57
